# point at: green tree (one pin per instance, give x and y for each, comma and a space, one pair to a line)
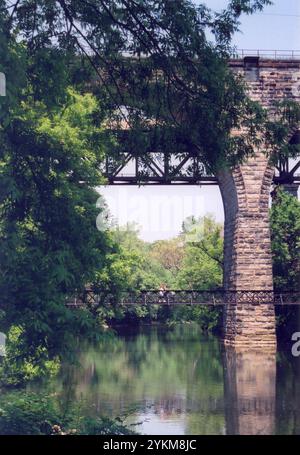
169, 253
132, 266
202, 262
129, 269
285, 236
29, 413
178, 90
201, 269
49, 243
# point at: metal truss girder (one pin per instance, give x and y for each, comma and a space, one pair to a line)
156, 168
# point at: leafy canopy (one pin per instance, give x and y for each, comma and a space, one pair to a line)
49, 244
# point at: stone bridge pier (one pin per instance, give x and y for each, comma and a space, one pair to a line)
247, 251
245, 192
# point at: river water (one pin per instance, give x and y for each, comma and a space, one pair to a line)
180, 381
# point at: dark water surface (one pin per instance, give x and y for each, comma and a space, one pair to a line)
180, 381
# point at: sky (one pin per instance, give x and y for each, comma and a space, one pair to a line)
160, 210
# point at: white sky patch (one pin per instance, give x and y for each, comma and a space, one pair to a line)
159, 211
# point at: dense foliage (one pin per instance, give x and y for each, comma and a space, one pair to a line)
29, 413
50, 246
285, 225
192, 260
156, 67
285, 231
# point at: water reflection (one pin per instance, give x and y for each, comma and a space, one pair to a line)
179, 381
250, 391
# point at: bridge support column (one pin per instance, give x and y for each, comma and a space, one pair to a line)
247, 251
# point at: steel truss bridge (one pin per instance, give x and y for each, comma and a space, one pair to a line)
95, 298
157, 168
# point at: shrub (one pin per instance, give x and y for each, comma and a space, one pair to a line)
29, 413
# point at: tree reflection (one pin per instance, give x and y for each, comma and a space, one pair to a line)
172, 374
180, 381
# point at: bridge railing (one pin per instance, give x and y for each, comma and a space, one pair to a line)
269, 54
95, 298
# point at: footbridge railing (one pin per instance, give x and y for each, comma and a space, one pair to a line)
95, 298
